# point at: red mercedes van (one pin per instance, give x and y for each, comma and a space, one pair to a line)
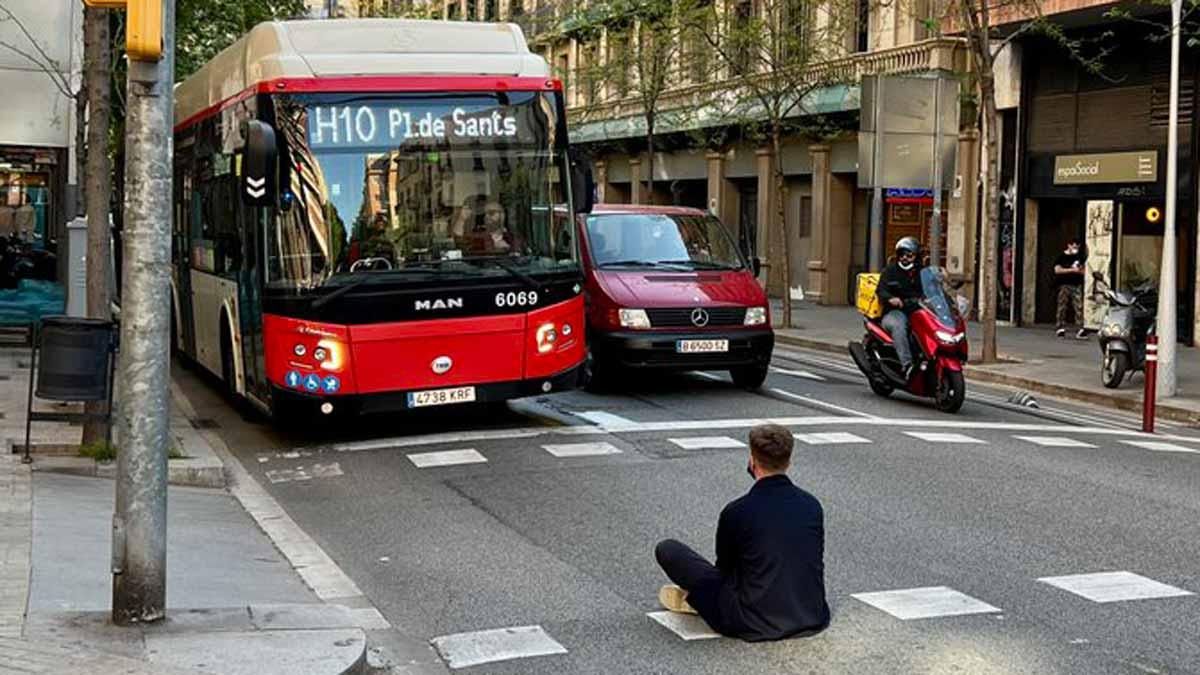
667, 288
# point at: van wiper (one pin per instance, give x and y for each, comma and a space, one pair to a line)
633, 263
701, 264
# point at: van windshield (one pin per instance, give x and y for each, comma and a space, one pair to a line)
661, 240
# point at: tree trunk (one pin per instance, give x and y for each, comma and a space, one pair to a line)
81, 104
97, 180
781, 224
650, 157
989, 244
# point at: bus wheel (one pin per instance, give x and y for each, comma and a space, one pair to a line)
227, 370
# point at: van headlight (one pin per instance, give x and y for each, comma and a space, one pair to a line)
634, 318
755, 316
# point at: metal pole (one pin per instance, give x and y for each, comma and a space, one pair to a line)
1166, 286
140, 520
1148, 392
876, 231
935, 228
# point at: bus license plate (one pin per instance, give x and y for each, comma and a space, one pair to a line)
421, 399
701, 346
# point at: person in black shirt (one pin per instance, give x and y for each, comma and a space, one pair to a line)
899, 289
769, 580
1068, 276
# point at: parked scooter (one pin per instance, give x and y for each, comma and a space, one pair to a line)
939, 336
1129, 320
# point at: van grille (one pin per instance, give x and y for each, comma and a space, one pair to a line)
681, 317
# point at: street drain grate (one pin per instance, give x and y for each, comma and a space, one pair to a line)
205, 423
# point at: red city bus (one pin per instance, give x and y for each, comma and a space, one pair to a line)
367, 217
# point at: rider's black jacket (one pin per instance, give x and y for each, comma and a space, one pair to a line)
896, 282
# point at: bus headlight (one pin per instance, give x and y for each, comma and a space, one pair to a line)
335, 355
634, 318
546, 337
755, 316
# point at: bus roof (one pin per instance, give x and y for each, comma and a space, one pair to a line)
344, 48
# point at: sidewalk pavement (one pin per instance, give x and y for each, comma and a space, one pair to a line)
1032, 359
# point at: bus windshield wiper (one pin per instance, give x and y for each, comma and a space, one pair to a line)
504, 264
366, 276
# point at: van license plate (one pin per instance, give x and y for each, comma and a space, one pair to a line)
421, 399
701, 346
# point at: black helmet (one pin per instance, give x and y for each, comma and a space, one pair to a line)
909, 244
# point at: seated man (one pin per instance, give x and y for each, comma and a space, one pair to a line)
769, 580
899, 288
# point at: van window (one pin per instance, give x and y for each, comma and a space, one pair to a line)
660, 240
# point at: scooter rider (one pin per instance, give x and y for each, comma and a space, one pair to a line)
899, 290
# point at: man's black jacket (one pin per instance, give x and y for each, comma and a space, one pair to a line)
899, 283
770, 551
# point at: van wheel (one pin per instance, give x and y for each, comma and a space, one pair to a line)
749, 377
594, 377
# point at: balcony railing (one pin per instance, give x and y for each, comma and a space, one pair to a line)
933, 54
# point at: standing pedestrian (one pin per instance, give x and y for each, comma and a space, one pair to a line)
1068, 277
769, 579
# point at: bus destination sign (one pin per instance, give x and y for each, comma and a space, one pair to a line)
393, 124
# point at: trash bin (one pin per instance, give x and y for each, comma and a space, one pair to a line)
73, 363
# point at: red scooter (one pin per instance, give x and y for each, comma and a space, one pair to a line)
939, 348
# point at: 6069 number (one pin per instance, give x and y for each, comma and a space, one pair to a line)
515, 299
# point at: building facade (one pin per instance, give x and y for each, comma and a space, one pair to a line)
41, 69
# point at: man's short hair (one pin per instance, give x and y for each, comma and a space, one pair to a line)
771, 446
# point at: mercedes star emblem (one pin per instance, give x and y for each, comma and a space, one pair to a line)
699, 317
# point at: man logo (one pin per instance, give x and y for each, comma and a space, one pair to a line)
442, 365
699, 317
440, 303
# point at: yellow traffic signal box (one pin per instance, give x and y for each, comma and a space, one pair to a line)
143, 26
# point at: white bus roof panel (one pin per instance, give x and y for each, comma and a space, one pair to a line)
357, 47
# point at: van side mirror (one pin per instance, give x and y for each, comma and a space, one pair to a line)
259, 158
756, 266
583, 185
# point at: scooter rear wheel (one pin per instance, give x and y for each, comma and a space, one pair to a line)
880, 387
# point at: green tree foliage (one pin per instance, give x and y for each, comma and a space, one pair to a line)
205, 27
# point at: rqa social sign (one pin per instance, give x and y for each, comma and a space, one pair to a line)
381, 125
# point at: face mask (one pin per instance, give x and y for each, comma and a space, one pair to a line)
908, 265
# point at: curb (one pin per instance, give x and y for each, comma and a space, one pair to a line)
190, 474
984, 374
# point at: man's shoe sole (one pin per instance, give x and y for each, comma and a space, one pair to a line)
674, 598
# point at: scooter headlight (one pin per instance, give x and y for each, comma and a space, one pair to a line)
1112, 329
949, 338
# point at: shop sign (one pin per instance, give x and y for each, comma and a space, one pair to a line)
1112, 167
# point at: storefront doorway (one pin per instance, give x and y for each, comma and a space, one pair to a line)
1059, 221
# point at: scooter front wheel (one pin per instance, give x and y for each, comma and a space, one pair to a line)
951, 391
1112, 372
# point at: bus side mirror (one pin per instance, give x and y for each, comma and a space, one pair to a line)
259, 159
583, 185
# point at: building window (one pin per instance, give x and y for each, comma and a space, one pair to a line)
862, 26
453, 10
472, 10
697, 51
587, 77
562, 64
619, 61
743, 14
797, 19
489, 10
516, 10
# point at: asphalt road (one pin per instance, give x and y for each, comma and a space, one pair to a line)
525, 537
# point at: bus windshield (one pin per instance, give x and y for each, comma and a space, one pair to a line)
461, 184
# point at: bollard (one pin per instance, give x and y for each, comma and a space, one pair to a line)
1148, 396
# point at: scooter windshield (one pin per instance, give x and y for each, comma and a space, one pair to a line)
935, 296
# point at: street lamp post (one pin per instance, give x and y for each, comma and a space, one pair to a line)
1166, 283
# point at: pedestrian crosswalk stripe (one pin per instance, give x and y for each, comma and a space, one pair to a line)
936, 437
426, 460
1114, 586
925, 603
1160, 446
686, 626
830, 438
1055, 441
605, 419
707, 442
581, 449
463, 650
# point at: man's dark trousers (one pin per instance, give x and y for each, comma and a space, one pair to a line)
768, 582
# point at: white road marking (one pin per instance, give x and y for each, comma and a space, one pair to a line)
300, 473
426, 460
581, 449
707, 442
1114, 586
830, 438
935, 437
1159, 446
828, 406
605, 419
463, 650
1055, 441
925, 603
686, 626
797, 373
433, 439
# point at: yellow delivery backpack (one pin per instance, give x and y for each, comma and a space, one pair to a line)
868, 302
